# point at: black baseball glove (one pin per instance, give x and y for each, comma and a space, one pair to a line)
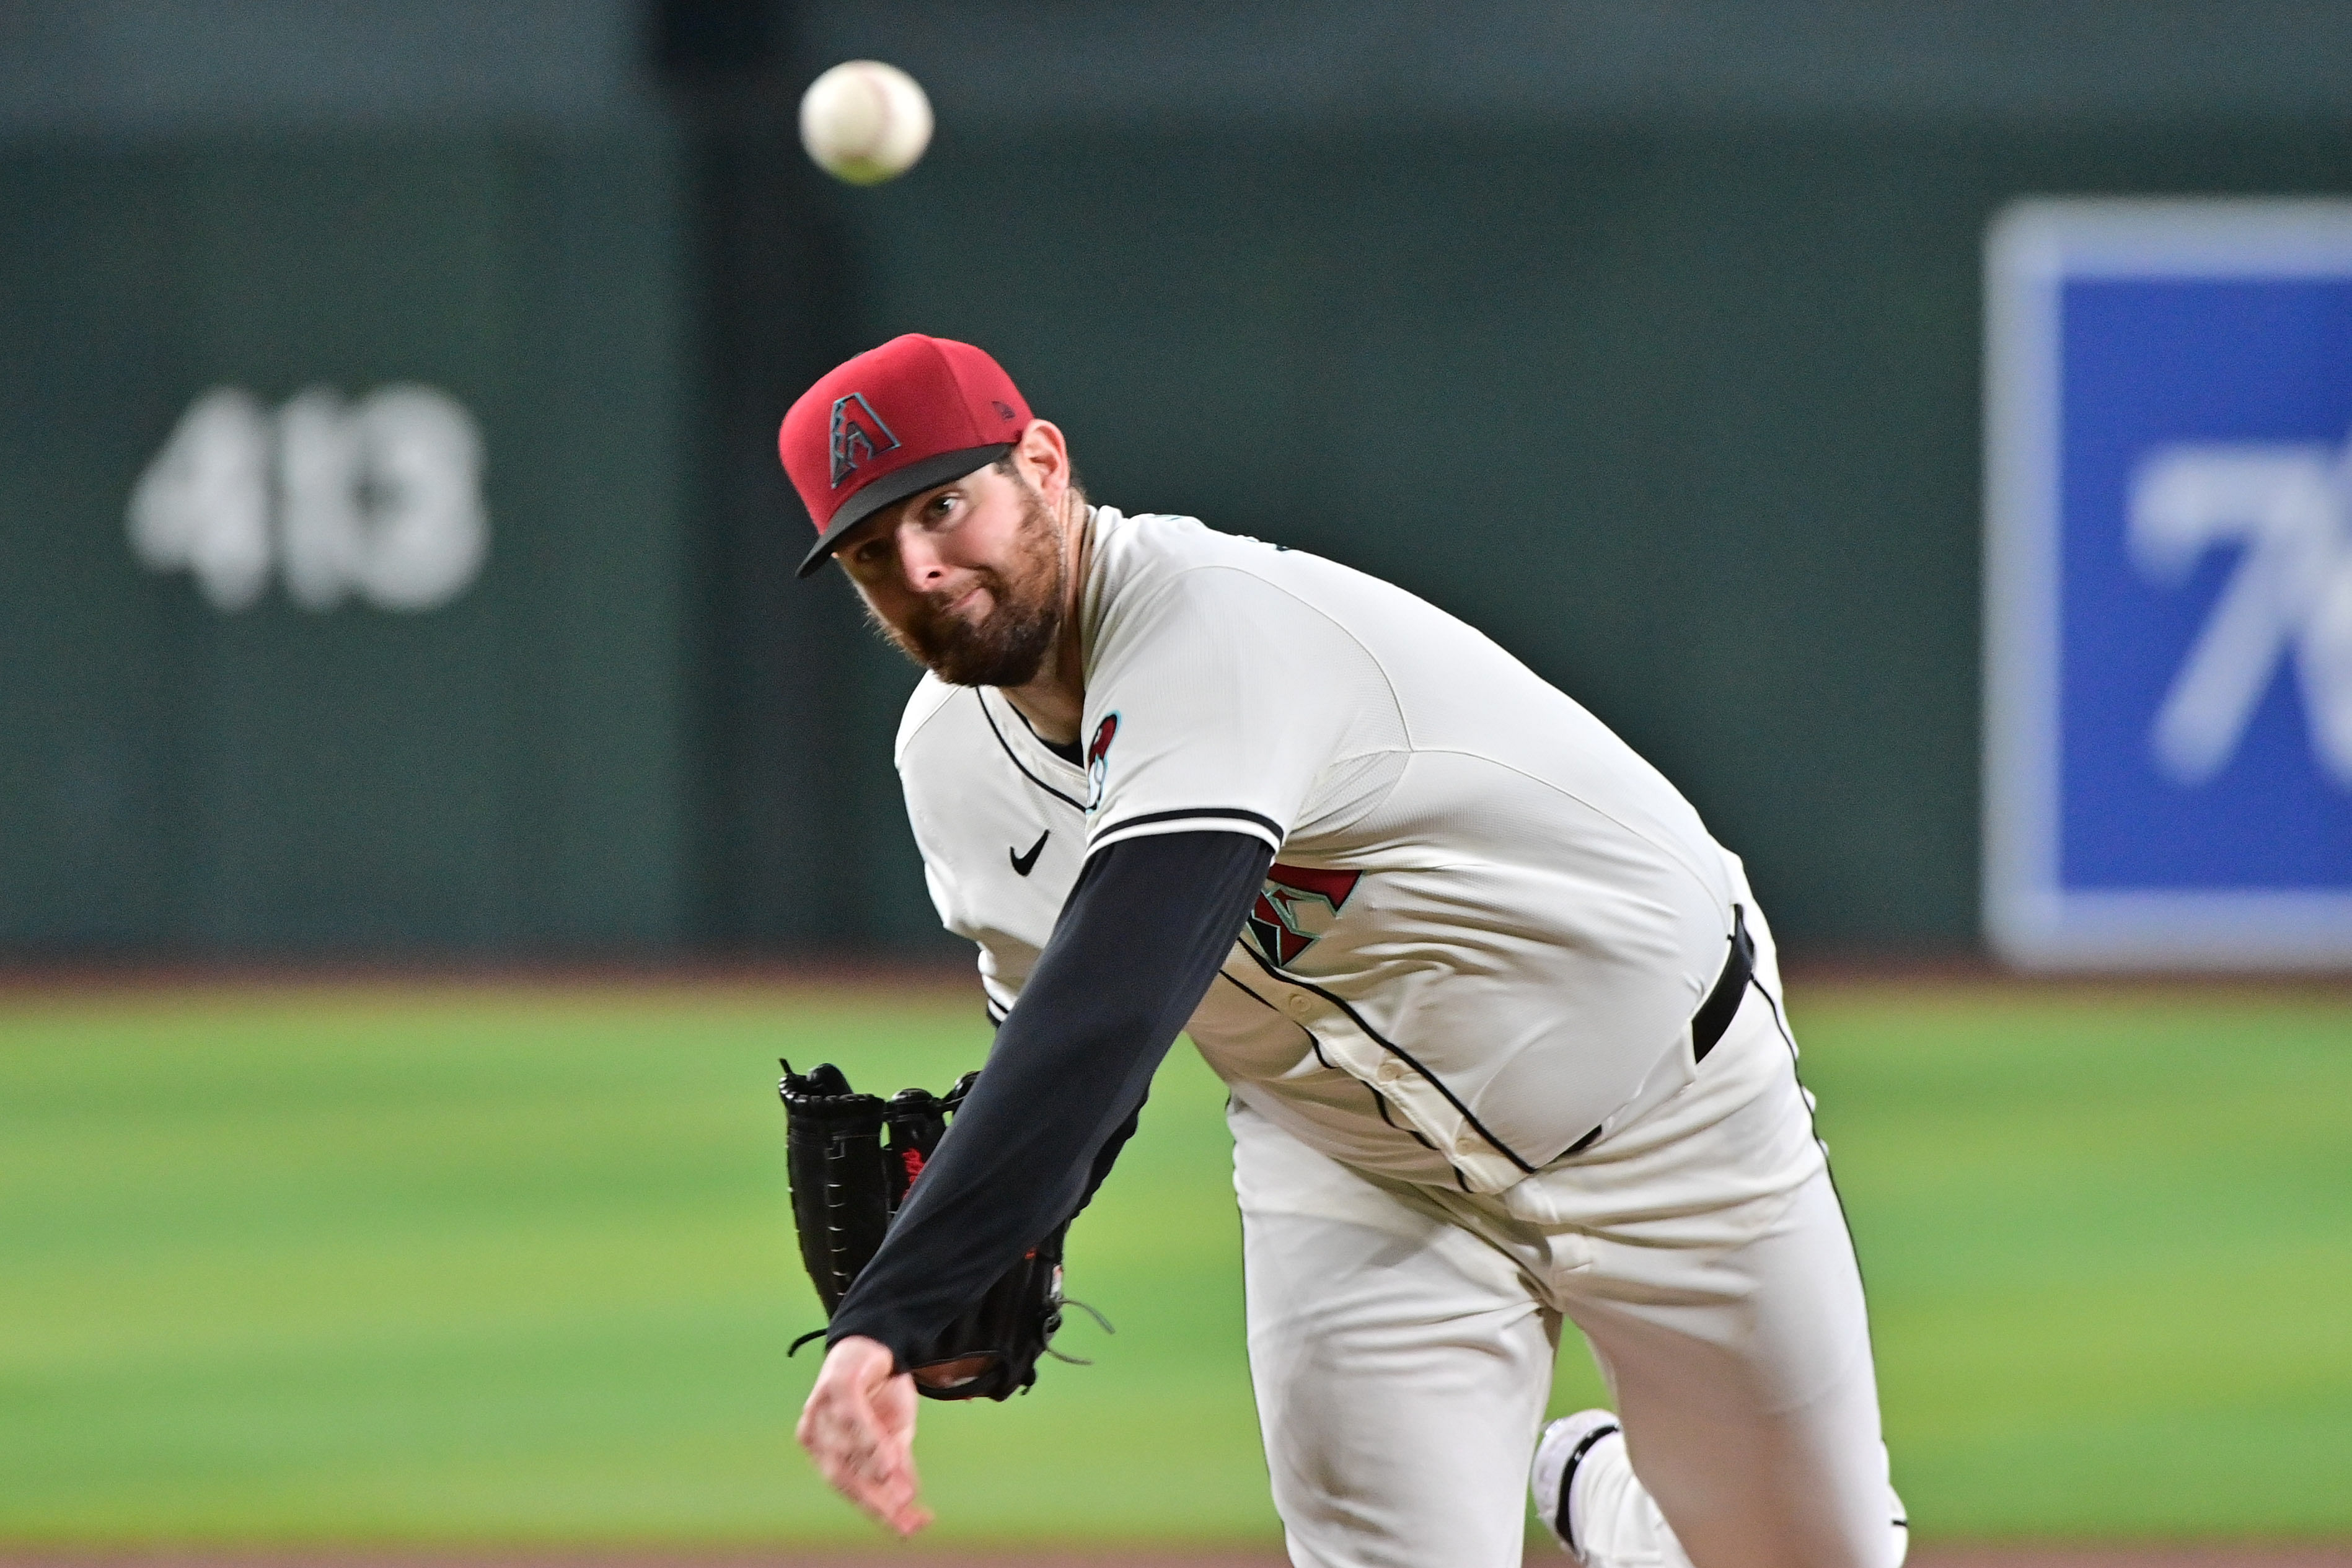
852, 1158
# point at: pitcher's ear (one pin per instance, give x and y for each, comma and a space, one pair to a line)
1044, 455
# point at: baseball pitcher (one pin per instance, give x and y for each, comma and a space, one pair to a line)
1501, 1022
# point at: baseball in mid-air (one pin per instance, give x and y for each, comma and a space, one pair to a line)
865, 122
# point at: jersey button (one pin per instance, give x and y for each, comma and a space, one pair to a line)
1469, 1142
1301, 1003
1389, 1070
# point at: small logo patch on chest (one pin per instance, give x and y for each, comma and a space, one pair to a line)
1297, 905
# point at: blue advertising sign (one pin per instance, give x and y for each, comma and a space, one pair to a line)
2169, 585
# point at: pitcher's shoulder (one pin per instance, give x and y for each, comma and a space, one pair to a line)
1150, 547
925, 704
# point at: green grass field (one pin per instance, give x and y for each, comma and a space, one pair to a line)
452, 1265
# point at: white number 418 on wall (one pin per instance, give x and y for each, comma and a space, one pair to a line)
381, 500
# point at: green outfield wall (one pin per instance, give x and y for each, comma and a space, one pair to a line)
400, 731
483, 636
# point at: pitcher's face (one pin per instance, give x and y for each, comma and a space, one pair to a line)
968, 579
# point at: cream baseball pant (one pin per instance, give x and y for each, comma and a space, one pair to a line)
1401, 1341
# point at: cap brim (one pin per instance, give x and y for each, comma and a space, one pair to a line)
915, 478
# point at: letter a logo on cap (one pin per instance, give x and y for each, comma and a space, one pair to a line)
858, 435
952, 411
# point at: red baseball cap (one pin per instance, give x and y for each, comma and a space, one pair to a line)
915, 412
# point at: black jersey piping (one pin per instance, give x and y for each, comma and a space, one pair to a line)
1016, 757
1229, 813
1250, 994
1312, 1043
1071, 753
1400, 1053
1381, 1101
1812, 1119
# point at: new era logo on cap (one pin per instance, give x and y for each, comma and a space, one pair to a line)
952, 411
858, 435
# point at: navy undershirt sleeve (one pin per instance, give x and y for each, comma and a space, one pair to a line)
1137, 941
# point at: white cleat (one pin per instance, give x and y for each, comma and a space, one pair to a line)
1566, 1454
1597, 1509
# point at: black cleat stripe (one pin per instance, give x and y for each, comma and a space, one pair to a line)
1568, 1478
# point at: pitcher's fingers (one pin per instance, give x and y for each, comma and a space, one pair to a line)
898, 1488
863, 1459
881, 1455
849, 1466
890, 1472
847, 1451
913, 1517
891, 1500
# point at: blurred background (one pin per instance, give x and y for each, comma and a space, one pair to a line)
395, 570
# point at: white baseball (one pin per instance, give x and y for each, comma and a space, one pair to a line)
865, 122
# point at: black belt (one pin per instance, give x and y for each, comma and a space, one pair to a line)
1713, 1015
1722, 1004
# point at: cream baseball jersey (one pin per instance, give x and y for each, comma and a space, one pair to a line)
1488, 922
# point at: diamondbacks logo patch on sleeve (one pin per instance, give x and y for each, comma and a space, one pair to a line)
1297, 905
1098, 760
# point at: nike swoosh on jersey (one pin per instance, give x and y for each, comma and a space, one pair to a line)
1023, 864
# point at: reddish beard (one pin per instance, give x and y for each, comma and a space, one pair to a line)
1009, 646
